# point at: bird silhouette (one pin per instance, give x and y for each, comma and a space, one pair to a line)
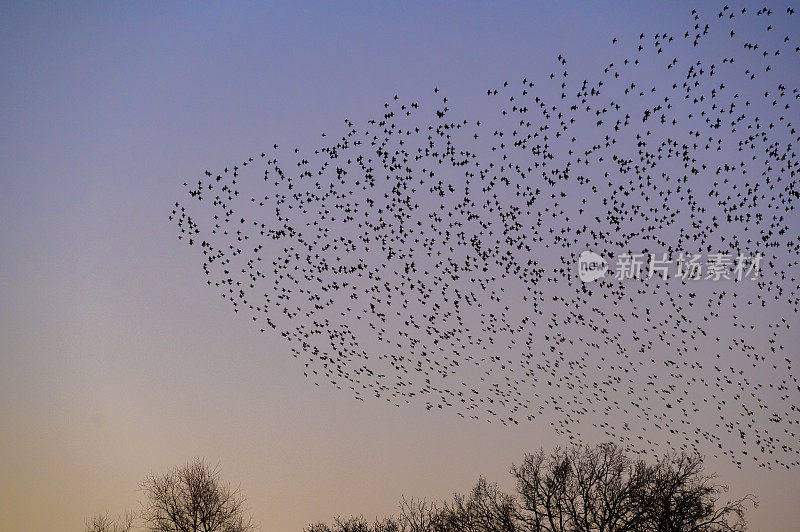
428, 258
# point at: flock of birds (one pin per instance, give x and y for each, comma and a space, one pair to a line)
425, 257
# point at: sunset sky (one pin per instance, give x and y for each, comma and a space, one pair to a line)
116, 359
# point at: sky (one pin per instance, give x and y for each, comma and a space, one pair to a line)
116, 360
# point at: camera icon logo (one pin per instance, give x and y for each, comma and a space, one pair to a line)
591, 266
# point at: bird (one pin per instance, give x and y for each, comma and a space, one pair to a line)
429, 259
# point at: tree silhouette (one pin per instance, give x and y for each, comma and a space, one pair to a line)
577, 489
104, 523
191, 498
583, 489
580, 489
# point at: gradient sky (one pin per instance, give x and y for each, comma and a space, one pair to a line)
116, 360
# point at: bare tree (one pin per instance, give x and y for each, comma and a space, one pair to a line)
104, 523
317, 527
485, 509
683, 498
580, 489
542, 485
587, 489
419, 515
191, 498
358, 524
